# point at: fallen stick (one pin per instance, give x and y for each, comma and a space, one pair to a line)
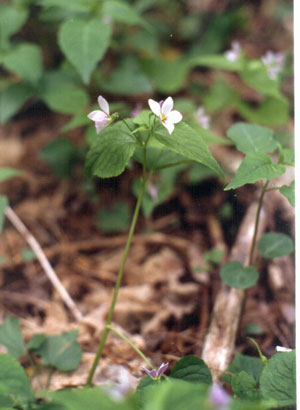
219, 342
35, 246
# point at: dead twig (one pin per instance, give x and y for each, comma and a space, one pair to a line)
219, 342
35, 246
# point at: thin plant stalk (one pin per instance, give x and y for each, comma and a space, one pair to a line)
264, 189
139, 352
107, 329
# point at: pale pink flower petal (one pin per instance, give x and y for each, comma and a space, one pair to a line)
103, 104
175, 117
100, 125
167, 106
169, 126
162, 368
97, 115
154, 106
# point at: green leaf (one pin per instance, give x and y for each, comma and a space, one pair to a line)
237, 276
215, 255
61, 94
61, 351
249, 364
128, 79
188, 143
111, 152
254, 167
77, 121
3, 206
61, 156
7, 173
287, 156
84, 44
255, 75
12, 99
144, 383
6, 403
14, 382
272, 111
116, 219
191, 369
168, 76
74, 5
122, 12
11, 337
26, 61
86, 398
251, 138
36, 341
11, 20
27, 255
218, 62
278, 379
274, 245
175, 395
244, 386
289, 192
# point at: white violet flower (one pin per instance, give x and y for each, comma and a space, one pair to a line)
202, 118
234, 53
101, 118
274, 63
164, 111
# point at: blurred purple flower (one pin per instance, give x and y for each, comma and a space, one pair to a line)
219, 397
234, 53
153, 191
202, 118
137, 109
157, 373
101, 118
274, 63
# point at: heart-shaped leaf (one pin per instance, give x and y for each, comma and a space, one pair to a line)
289, 192
274, 245
11, 336
237, 276
192, 369
255, 166
84, 44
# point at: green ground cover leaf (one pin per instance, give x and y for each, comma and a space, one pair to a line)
7, 173
255, 166
244, 386
26, 61
115, 219
11, 20
110, 153
249, 364
278, 379
218, 61
74, 5
84, 44
61, 351
122, 12
287, 156
3, 206
86, 398
250, 138
188, 143
289, 192
11, 337
191, 369
237, 276
61, 156
274, 245
12, 99
176, 395
14, 382
271, 112
61, 94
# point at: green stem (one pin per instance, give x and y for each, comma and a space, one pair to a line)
264, 189
119, 279
139, 352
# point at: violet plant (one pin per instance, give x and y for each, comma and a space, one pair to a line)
152, 139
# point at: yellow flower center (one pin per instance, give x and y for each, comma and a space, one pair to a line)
163, 117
